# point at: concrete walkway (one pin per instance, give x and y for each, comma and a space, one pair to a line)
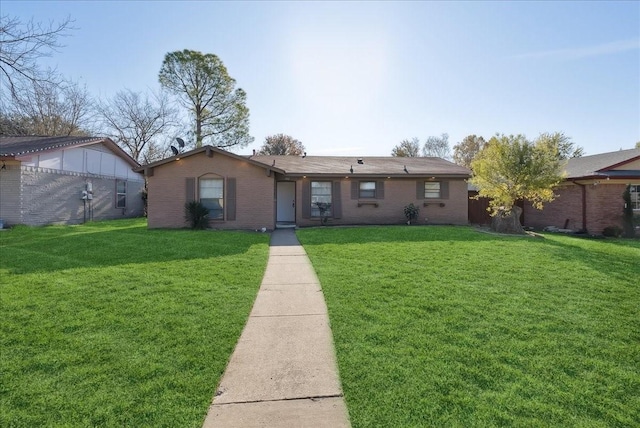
283, 371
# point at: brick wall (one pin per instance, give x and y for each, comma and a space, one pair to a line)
255, 192
10, 194
397, 194
604, 208
54, 197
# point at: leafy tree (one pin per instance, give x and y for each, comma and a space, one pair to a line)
136, 122
510, 168
407, 148
48, 108
638, 145
561, 145
465, 151
281, 144
21, 46
202, 84
437, 146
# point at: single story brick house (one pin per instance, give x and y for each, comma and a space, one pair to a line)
254, 192
66, 180
590, 197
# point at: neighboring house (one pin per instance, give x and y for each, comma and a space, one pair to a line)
590, 197
66, 180
252, 192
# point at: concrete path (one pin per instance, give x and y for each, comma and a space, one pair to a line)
283, 371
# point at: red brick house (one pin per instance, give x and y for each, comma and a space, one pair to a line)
590, 198
252, 192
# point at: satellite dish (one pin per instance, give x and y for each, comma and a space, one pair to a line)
180, 142
175, 151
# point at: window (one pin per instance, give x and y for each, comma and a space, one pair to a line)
634, 189
367, 189
432, 189
121, 194
320, 198
211, 196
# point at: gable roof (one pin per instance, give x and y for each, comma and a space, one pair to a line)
369, 166
209, 150
15, 146
336, 165
602, 165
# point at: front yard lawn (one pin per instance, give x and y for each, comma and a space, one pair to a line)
111, 324
447, 326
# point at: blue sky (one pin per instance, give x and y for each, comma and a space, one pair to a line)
355, 78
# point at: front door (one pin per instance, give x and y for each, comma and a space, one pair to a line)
286, 201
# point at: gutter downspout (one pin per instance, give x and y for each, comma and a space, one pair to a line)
584, 205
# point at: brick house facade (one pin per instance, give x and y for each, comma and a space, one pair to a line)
253, 192
66, 180
590, 198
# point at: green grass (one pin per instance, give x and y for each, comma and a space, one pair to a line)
111, 324
447, 326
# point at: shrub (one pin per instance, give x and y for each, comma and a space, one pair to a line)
196, 214
612, 231
411, 212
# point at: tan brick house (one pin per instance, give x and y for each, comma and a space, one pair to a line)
590, 198
66, 180
252, 192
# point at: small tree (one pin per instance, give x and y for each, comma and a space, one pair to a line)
465, 151
411, 212
407, 148
510, 168
437, 146
281, 144
562, 145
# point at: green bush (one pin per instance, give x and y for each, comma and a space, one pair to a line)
612, 231
196, 214
411, 212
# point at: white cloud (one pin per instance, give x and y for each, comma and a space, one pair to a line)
585, 52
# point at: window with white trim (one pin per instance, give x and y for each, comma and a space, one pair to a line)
212, 196
367, 189
431, 189
320, 198
121, 194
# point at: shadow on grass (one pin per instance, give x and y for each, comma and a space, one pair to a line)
392, 233
615, 258
46, 249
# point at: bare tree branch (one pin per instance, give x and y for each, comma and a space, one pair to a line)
138, 122
22, 45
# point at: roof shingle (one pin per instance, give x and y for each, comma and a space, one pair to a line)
372, 166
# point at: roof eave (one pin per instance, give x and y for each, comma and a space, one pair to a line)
377, 175
208, 148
